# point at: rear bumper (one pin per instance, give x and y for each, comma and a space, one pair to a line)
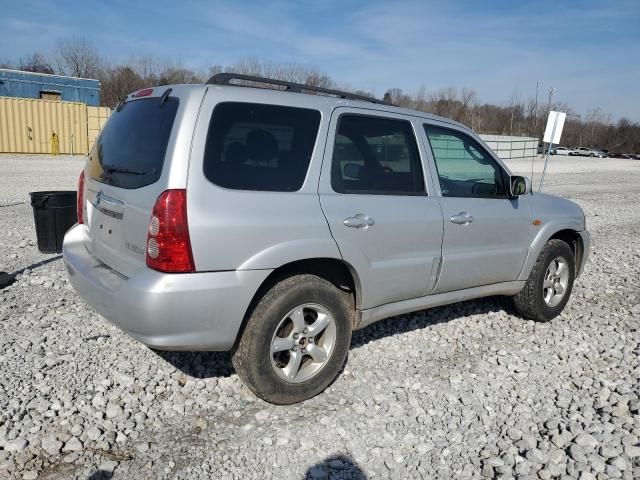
194, 311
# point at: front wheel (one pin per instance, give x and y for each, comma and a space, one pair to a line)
296, 339
549, 285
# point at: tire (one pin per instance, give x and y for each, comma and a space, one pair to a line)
273, 376
532, 301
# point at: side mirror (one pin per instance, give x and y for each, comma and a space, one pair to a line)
519, 186
353, 171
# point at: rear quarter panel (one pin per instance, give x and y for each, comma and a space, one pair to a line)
245, 230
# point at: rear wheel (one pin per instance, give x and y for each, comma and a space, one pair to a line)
296, 339
549, 285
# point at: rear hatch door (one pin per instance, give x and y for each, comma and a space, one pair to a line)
128, 169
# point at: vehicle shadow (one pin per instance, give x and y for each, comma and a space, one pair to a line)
100, 475
218, 364
335, 466
199, 364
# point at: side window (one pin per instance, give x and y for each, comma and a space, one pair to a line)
377, 156
260, 147
465, 169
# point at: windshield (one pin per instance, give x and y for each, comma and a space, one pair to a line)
130, 151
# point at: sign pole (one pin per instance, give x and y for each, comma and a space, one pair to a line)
544, 169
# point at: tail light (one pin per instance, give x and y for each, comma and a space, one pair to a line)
168, 244
80, 198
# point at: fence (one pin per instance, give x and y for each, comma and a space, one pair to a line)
27, 126
507, 147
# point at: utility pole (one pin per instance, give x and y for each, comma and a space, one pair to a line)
513, 104
552, 92
535, 113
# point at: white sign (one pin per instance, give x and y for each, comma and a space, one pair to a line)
555, 123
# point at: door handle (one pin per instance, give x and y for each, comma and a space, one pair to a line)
463, 218
359, 221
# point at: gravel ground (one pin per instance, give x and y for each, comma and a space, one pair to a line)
467, 390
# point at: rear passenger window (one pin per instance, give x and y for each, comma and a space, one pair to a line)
260, 147
377, 156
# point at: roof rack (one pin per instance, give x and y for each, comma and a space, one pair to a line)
226, 78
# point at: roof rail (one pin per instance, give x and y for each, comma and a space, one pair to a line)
226, 78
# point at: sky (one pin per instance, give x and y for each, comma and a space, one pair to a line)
589, 51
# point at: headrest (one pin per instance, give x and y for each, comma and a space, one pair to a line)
261, 146
236, 153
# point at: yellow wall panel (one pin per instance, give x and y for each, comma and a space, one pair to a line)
97, 117
26, 125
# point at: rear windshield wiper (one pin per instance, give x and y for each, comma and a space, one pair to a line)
112, 168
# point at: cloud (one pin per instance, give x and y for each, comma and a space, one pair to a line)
497, 49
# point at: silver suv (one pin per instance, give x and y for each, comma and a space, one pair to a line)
273, 223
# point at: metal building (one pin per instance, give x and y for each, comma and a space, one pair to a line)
19, 84
28, 125
509, 147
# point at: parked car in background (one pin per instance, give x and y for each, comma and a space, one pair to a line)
561, 151
620, 155
588, 152
273, 223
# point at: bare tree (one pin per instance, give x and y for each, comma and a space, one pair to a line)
420, 100
290, 72
178, 75
116, 83
77, 57
37, 63
214, 70
397, 97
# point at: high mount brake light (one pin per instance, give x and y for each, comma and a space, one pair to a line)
143, 93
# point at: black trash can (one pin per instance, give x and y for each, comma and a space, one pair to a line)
54, 213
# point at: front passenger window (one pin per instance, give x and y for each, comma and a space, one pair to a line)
465, 169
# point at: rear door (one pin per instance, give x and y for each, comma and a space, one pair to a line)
128, 169
486, 234
377, 202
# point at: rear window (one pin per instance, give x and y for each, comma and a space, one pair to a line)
260, 147
130, 151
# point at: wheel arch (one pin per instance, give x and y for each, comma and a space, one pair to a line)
337, 271
568, 233
574, 240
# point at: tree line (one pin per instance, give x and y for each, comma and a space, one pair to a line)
77, 57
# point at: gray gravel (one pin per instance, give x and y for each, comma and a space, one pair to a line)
468, 390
